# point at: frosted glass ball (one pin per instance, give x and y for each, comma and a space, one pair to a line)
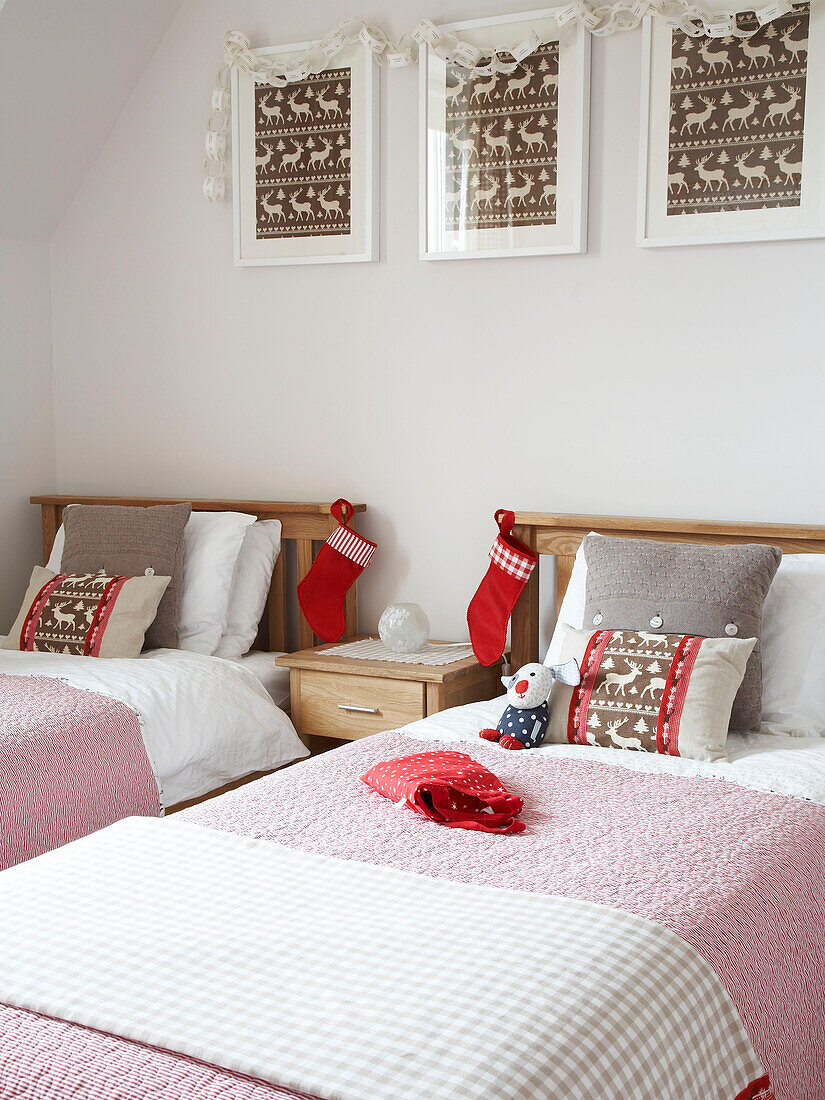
403, 627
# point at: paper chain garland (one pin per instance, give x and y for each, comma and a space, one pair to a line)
605, 19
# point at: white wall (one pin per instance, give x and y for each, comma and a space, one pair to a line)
670, 382
27, 464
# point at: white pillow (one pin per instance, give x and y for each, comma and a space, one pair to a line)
793, 648
250, 587
571, 611
211, 544
56, 555
793, 642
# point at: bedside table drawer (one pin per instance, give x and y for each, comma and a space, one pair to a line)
337, 705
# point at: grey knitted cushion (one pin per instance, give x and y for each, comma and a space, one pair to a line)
126, 541
712, 591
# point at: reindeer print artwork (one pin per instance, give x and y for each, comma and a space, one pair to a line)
501, 145
630, 691
302, 157
737, 112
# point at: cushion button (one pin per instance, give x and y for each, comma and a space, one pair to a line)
148, 571
656, 621
731, 629
597, 619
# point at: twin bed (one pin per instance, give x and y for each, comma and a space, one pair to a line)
86, 742
656, 930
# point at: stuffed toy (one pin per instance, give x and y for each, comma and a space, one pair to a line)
524, 722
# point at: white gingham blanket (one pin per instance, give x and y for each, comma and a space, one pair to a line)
347, 980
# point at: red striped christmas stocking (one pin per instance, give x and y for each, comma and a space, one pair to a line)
343, 557
511, 563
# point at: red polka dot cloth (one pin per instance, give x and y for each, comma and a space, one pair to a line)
449, 788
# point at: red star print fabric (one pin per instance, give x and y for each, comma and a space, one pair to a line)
449, 788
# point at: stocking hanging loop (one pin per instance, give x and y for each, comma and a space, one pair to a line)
505, 520
342, 510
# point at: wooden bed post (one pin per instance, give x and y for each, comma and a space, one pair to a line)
524, 624
51, 516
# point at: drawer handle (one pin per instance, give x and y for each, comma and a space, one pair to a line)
358, 710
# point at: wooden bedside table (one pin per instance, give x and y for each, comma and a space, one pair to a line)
348, 698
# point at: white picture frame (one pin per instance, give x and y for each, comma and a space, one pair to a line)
438, 238
355, 184
656, 226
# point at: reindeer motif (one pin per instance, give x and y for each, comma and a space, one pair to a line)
794, 45
789, 168
317, 158
270, 112
622, 742
453, 198
754, 53
272, 210
517, 85
484, 89
331, 208
620, 681
548, 193
750, 172
344, 154
699, 118
742, 114
298, 109
519, 194
532, 137
656, 683
548, 82
677, 180
262, 162
60, 617
716, 176
300, 208
652, 640
485, 196
495, 141
463, 145
713, 59
455, 91
782, 110
680, 65
290, 161
328, 106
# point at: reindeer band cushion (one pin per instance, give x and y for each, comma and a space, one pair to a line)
665, 693
127, 541
87, 615
679, 588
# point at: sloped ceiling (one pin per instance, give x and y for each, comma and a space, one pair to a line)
67, 68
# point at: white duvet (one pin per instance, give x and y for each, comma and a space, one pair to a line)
205, 721
783, 763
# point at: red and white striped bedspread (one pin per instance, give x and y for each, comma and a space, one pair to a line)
738, 874
71, 761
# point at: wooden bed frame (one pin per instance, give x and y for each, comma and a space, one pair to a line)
305, 527
561, 535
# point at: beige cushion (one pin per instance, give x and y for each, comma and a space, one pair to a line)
92, 615
125, 542
666, 693
681, 588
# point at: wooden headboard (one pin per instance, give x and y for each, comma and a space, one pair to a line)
305, 527
561, 535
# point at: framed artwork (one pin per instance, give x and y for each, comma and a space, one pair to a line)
503, 158
305, 163
733, 133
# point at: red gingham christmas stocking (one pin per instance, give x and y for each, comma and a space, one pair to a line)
511, 564
343, 557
